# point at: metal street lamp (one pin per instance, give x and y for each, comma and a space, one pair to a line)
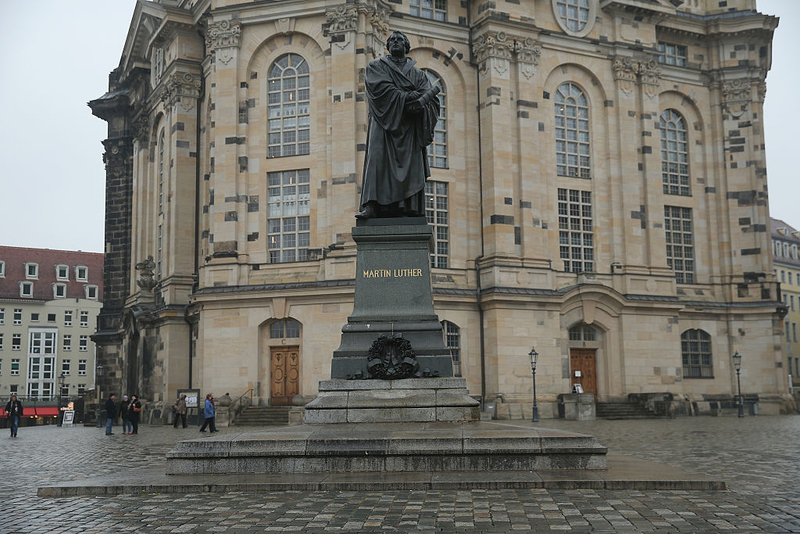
533, 355
737, 364
60, 391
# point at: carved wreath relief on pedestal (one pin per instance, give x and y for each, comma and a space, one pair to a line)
391, 357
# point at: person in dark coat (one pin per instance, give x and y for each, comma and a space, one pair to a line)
134, 413
124, 413
14, 413
403, 111
111, 413
208, 413
180, 411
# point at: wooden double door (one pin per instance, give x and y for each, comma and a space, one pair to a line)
583, 369
285, 375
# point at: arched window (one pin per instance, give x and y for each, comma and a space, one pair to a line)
674, 153
161, 172
572, 131
160, 236
452, 338
696, 354
574, 14
284, 328
437, 151
289, 107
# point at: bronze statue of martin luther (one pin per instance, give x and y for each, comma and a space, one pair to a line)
403, 110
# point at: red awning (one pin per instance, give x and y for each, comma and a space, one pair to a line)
48, 411
2, 412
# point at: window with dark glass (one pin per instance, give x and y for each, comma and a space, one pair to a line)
696, 354
285, 328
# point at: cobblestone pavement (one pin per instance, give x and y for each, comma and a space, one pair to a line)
759, 457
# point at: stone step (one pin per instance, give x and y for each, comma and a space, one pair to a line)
381, 447
263, 416
622, 410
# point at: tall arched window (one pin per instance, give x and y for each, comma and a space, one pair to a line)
674, 153
289, 107
437, 151
572, 131
160, 236
696, 354
452, 338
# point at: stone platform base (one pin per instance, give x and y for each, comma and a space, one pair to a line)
392, 401
388, 447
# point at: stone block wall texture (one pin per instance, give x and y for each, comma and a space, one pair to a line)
200, 199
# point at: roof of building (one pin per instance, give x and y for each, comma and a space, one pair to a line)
787, 234
16, 258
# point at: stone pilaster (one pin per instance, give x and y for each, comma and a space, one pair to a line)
494, 54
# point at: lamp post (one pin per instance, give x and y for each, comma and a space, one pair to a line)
533, 355
60, 390
99, 375
737, 364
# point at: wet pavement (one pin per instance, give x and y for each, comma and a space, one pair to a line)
758, 457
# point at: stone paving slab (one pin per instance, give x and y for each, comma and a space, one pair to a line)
623, 473
757, 457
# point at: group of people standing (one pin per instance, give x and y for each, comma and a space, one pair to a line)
129, 410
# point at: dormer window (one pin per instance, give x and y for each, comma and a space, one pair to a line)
81, 273
62, 272
32, 271
26, 289
60, 291
91, 292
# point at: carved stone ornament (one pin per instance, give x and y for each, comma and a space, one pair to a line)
183, 88
629, 71
222, 38
391, 357
146, 270
495, 47
528, 53
285, 26
141, 129
376, 40
339, 21
737, 91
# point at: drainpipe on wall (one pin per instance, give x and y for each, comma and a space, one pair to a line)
480, 205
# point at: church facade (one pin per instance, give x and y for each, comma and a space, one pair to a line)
598, 190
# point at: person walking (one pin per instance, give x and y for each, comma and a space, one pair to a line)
180, 411
111, 413
124, 413
14, 413
208, 413
134, 413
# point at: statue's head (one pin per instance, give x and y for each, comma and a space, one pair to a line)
398, 36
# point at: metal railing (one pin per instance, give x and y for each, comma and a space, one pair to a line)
238, 406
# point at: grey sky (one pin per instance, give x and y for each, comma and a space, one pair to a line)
57, 56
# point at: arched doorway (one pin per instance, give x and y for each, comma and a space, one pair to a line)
584, 340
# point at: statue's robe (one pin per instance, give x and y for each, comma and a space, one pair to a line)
396, 164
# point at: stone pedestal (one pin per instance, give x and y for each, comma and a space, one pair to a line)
393, 295
393, 401
578, 406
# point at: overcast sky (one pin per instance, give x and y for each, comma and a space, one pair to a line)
57, 56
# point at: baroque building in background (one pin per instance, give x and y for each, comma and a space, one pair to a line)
785, 242
49, 303
598, 190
